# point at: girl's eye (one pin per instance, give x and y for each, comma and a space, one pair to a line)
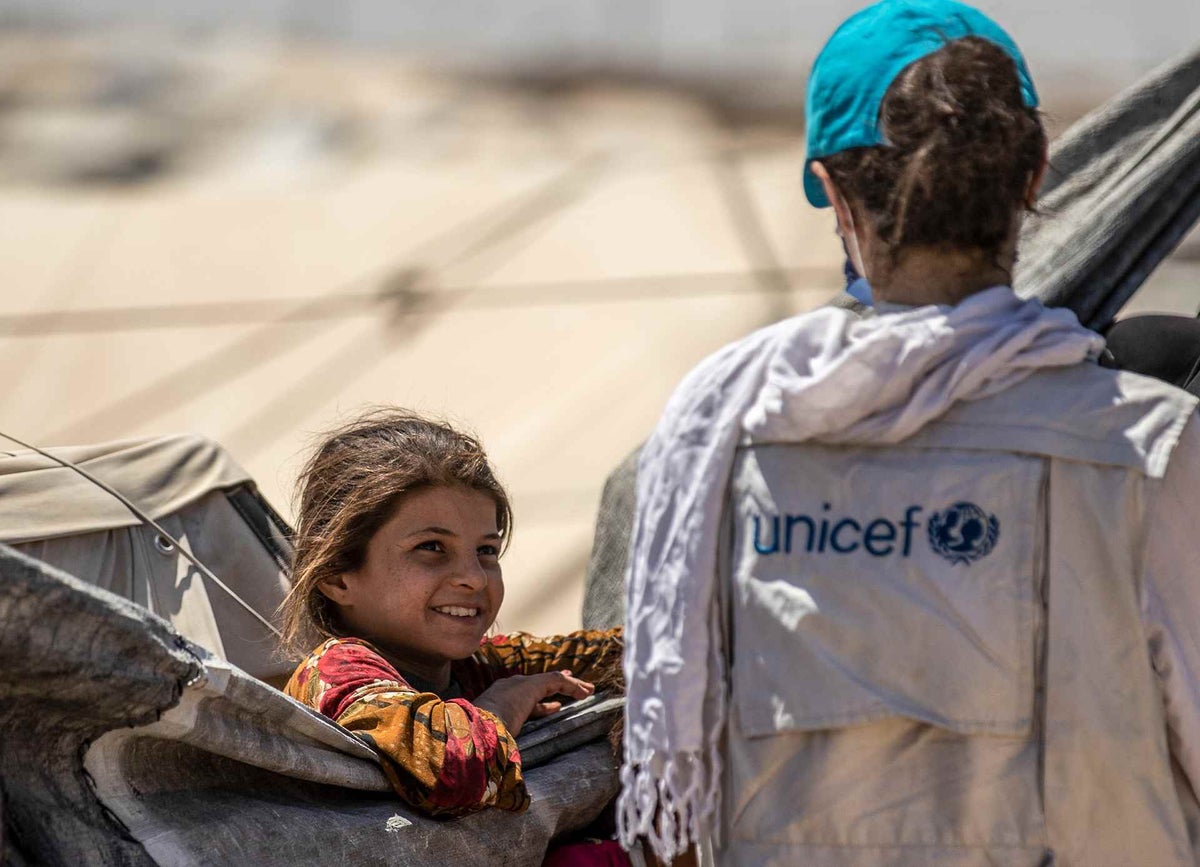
488, 551
431, 545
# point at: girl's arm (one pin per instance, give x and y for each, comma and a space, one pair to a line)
593, 655
446, 758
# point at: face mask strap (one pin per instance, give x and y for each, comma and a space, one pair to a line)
850, 267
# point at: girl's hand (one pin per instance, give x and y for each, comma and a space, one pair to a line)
521, 697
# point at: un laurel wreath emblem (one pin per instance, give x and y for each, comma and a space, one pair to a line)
963, 532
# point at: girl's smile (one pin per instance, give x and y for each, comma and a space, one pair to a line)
430, 583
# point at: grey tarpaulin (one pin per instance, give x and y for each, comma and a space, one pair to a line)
199, 495
193, 762
1122, 190
74, 662
604, 599
581, 722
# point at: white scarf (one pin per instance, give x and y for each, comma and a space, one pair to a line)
827, 376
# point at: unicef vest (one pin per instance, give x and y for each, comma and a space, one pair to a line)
930, 583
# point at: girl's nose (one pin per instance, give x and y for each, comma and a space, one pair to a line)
471, 574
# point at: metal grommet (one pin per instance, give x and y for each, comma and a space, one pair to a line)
163, 544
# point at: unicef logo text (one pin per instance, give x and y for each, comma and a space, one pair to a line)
962, 533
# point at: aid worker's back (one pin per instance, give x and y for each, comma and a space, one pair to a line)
971, 648
979, 645
921, 588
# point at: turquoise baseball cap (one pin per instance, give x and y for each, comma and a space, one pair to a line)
860, 61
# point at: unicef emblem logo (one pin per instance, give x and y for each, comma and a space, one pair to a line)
963, 532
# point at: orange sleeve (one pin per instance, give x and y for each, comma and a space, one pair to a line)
445, 758
586, 653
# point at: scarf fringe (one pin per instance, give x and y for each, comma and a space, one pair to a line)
672, 802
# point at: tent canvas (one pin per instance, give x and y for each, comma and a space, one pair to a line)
196, 491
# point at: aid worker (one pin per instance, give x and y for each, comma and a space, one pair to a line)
920, 588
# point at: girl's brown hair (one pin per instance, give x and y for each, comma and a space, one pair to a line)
962, 148
351, 486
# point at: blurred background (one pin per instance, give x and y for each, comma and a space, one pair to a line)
249, 219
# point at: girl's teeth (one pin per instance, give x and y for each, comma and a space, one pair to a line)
456, 611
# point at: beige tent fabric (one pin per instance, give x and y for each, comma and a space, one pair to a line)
40, 499
61, 518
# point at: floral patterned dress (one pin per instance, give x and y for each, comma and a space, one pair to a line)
442, 754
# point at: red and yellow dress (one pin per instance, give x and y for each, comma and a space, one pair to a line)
442, 754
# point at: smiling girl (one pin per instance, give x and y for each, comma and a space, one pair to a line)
397, 581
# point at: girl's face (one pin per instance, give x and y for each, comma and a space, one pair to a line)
430, 584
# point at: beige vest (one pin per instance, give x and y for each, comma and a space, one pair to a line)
938, 648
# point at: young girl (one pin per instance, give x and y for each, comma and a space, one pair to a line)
396, 581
